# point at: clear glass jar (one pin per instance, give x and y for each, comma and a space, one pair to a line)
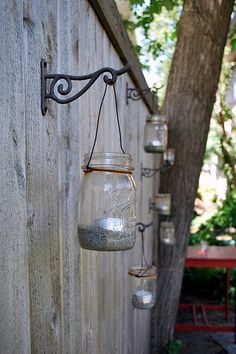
169, 156
143, 286
155, 134
107, 213
167, 233
163, 203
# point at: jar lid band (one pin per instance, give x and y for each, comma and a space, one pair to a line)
91, 169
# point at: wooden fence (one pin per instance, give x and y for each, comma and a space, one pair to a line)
55, 297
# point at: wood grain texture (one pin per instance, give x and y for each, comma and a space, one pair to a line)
109, 16
68, 181
42, 182
188, 104
110, 324
14, 280
55, 297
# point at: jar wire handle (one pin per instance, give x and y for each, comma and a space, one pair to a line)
88, 168
118, 119
144, 264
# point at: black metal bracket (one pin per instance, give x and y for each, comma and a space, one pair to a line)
56, 89
150, 172
142, 227
136, 94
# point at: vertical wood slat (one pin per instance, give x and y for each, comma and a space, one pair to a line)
69, 170
42, 177
79, 300
14, 292
105, 294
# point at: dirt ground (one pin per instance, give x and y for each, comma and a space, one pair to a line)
206, 342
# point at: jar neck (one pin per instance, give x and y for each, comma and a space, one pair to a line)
157, 119
108, 161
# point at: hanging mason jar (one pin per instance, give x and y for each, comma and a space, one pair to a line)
167, 233
169, 156
107, 217
155, 134
143, 286
163, 203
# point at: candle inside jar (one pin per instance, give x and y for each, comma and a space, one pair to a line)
163, 209
142, 299
163, 203
168, 240
169, 156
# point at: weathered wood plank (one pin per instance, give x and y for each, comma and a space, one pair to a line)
42, 183
79, 300
14, 279
109, 16
68, 181
105, 282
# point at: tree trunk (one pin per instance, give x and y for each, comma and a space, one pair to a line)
188, 105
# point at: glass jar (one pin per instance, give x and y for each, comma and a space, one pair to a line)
163, 203
155, 134
167, 233
169, 156
143, 286
107, 213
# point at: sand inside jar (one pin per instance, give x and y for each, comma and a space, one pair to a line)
95, 237
163, 210
154, 148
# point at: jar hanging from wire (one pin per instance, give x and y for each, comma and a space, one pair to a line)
107, 213
162, 203
155, 134
143, 286
143, 278
107, 218
167, 233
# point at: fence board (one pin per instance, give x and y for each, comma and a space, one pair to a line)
42, 183
14, 280
56, 297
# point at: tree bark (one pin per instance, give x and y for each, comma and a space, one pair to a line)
188, 105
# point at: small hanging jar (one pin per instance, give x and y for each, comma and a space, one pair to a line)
169, 156
143, 285
163, 203
155, 134
167, 233
107, 217
107, 213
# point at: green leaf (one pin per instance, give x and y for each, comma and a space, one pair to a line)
174, 346
233, 43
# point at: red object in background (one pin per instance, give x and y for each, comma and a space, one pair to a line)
216, 257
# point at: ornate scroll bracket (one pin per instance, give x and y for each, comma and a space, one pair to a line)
142, 227
136, 94
55, 89
150, 172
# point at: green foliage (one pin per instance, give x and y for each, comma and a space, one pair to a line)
206, 284
232, 39
222, 143
157, 23
224, 218
174, 346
